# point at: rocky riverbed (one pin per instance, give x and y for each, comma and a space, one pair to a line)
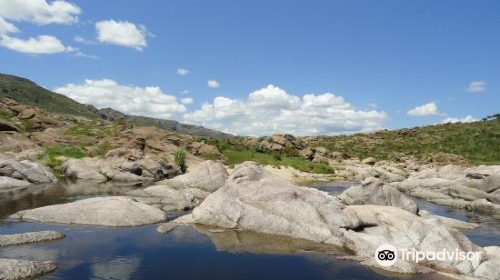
245, 224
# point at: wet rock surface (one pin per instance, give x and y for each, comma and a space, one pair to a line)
102, 211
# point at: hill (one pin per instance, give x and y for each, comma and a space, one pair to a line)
478, 142
29, 93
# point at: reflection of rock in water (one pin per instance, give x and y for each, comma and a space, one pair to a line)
30, 253
237, 241
61, 192
119, 268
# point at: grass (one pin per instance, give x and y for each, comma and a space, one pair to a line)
478, 142
52, 154
234, 157
91, 128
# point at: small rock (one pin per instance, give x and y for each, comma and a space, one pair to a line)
11, 269
29, 237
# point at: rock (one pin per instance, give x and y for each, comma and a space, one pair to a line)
15, 141
6, 183
7, 126
320, 159
490, 269
184, 220
484, 206
249, 171
401, 229
27, 114
122, 165
26, 170
205, 150
269, 205
451, 172
86, 168
166, 227
307, 153
369, 161
373, 191
207, 177
29, 237
448, 221
279, 139
102, 211
11, 269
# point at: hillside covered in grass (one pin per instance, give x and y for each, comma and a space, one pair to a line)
27, 92
477, 142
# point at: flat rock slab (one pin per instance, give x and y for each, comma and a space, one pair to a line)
100, 211
11, 269
29, 237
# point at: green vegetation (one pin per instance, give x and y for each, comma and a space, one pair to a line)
92, 128
234, 157
478, 142
54, 155
180, 158
26, 92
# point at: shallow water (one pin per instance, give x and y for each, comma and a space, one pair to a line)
185, 253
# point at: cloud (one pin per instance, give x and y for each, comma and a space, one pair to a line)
182, 71
187, 100
39, 11
476, 86
122, 33
147, 101
82, 40
213, 84
186, 91
81, 54
272, 110
6, 27
43, 44
466, 119
429, 109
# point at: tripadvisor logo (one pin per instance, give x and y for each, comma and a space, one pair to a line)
387, 255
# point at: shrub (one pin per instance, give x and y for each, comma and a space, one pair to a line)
180, 158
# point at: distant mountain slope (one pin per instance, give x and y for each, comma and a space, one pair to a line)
27, 92
478, 142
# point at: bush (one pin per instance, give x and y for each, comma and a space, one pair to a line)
180, 158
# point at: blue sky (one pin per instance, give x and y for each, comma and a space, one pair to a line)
380, 60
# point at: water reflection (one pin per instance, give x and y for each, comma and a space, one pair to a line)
190, 252
119, 268
61, 192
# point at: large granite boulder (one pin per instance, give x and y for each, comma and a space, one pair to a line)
374, 191
102, 211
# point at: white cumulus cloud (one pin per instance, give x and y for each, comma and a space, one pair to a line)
7, 27
122, 33
466, 119
429, 109
213, 84
273, 110
187, 100
476, 86
182, 71
39, 11
147, 101
43, 44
